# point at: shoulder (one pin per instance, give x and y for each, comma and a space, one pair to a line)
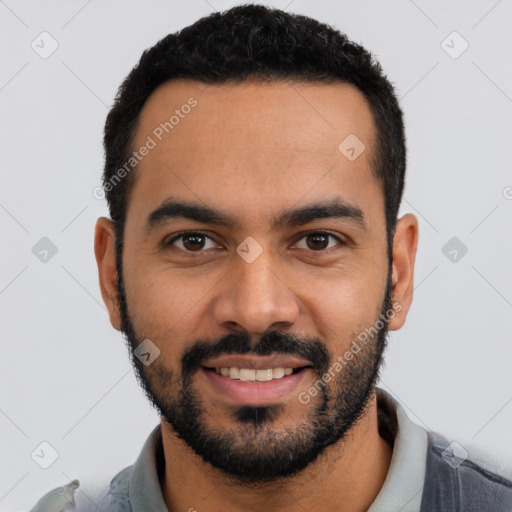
105, 496
453, 481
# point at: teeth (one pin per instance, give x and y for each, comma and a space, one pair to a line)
277, 373
248, 374
263, 375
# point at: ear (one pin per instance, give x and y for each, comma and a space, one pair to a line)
104, 238
405, 243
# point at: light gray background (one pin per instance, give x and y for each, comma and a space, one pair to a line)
65, 374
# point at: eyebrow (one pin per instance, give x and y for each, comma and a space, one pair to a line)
335, 208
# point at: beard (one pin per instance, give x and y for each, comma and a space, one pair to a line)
254, 451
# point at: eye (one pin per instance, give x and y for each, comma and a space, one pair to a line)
191, 241
197, 242
318, 241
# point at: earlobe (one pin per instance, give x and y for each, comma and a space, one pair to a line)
405, 244
104, 238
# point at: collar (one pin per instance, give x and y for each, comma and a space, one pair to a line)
401, 492
403, 488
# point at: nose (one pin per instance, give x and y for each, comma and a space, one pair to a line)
255, 298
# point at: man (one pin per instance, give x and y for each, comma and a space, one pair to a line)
255, 263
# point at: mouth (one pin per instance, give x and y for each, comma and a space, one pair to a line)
255, 387
255, 375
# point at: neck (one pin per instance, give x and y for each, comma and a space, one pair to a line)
350, 472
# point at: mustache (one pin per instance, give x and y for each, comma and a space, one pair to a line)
273, 342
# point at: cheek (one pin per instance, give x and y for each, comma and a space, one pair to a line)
168, 304
339, 321
343, 307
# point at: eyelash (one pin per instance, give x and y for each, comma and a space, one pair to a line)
183, 234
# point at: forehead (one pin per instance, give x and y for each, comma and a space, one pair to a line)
253, 144
302, 114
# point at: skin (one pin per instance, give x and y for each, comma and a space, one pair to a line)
278, 143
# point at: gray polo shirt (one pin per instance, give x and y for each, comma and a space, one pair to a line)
137, 488
423, 465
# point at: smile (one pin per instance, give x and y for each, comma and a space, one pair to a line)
252, 375
248, 386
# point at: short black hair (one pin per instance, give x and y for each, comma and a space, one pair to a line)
255, 42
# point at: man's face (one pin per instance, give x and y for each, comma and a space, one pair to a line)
269, 295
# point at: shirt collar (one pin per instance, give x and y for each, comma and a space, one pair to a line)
402, 489
401, 492
145, 490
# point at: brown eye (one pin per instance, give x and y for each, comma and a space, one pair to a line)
191, 242
318, 241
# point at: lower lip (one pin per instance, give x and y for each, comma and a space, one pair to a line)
255, 393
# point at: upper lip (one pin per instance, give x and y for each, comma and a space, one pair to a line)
256, 362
